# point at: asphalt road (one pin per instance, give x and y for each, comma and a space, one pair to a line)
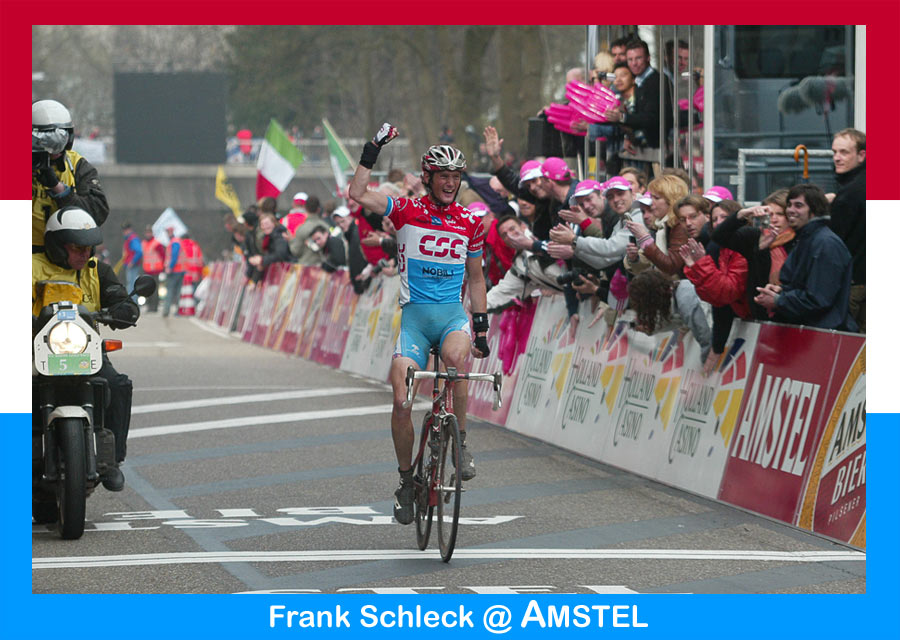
251, 471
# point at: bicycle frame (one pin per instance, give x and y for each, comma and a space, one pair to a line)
431, 471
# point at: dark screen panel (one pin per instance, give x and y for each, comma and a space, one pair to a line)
170, 118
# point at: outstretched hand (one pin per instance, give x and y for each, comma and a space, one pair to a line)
492, 141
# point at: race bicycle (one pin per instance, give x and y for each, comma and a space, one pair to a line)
437, 482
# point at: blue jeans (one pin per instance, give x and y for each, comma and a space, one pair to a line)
173, 291
131, 274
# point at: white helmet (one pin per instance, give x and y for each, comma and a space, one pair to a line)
443, 157
51, 127
69, 225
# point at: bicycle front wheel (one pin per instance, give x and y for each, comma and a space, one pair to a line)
449, 487
424, 477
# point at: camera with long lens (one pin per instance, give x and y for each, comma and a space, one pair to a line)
570, 276
40, 159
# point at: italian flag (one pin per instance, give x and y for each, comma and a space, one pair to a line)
340, 159
277, 163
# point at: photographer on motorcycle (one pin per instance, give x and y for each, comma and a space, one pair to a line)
69, 240
60, 177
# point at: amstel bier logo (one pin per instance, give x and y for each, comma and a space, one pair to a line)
834, 500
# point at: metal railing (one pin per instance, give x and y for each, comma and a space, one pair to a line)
743, 154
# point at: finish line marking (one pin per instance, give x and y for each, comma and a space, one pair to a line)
215, 557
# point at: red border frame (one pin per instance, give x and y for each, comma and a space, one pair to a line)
881, 16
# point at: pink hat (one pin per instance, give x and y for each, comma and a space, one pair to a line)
618, 182
717, 194
645, 198
479, 209
585, 187
300, 198
530, 170
556, 169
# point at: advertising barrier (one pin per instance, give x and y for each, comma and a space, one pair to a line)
778, 427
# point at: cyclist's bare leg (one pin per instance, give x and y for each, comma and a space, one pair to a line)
454, 352
401, 417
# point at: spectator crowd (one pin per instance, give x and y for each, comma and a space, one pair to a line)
647, 245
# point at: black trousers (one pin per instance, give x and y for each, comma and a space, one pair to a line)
118, 411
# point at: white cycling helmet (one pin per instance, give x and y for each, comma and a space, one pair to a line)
69, 225
51, 127
443, 157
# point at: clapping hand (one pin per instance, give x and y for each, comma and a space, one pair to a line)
691, 252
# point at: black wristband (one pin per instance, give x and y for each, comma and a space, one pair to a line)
480, 322
369, 155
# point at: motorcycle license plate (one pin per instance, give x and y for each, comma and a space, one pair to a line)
77, 364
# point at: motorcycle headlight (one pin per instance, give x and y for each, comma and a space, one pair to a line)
67, 337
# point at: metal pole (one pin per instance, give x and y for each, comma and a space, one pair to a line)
662, 106
709, 86
588, 59
690, 97
676, 142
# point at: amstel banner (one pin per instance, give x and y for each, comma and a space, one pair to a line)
798, 451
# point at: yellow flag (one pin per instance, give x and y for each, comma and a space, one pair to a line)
225, 193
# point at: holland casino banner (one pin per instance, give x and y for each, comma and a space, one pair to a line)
373, 330
770, 430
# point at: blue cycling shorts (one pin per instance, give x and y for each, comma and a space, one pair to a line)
425, 325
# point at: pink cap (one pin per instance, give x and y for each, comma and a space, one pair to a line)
717, 194
479, 209
555, 169
617, 182
530, 170
645, 198
585, 187
300, 198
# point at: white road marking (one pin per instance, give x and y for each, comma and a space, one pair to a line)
251, 421
258, 397
213, 329
351, 555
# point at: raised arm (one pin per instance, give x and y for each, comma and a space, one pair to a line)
373, 201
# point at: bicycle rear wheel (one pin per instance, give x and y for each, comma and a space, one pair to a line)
450, 487
422, 506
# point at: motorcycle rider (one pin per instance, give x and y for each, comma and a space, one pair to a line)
69, 240
59, 176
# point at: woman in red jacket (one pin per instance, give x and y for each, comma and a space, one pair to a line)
719, 276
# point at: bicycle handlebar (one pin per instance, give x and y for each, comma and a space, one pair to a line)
412, 375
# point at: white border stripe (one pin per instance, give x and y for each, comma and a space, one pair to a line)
258, 397
351, 555
252, 421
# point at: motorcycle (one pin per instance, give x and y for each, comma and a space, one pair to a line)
71, 447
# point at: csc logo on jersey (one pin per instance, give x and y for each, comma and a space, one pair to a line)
441, 247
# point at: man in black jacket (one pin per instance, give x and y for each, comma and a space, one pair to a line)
848, 211
645, 118
815, 279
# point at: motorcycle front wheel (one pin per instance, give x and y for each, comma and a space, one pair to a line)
71, 488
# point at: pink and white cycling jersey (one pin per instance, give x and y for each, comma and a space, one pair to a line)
433, 244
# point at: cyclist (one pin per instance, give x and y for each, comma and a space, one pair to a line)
438, 243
